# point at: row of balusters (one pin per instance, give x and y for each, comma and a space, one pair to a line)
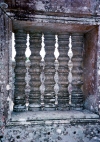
49, 78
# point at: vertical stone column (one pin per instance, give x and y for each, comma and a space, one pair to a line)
13, 77
63, 96
42, 87
20, 71
35, 59
49, 97
56, 87
2, 79
27, 79
77, 71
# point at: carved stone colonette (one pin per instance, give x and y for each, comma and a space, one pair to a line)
49, 78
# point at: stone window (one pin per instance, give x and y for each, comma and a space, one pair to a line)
56, 82
53, 77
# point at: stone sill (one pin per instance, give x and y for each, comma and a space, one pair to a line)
52, 117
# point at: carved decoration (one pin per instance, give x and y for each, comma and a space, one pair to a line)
49, 97
20, 71
63, 96
77, 71
35, 59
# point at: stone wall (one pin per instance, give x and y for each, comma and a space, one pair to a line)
90, 7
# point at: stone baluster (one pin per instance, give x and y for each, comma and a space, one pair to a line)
56, 87
20, 71
63, 96
42, 87
77, 71
49, 97
13, 77
27, 79
35, 59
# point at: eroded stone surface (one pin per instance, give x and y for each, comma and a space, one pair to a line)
52, 133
